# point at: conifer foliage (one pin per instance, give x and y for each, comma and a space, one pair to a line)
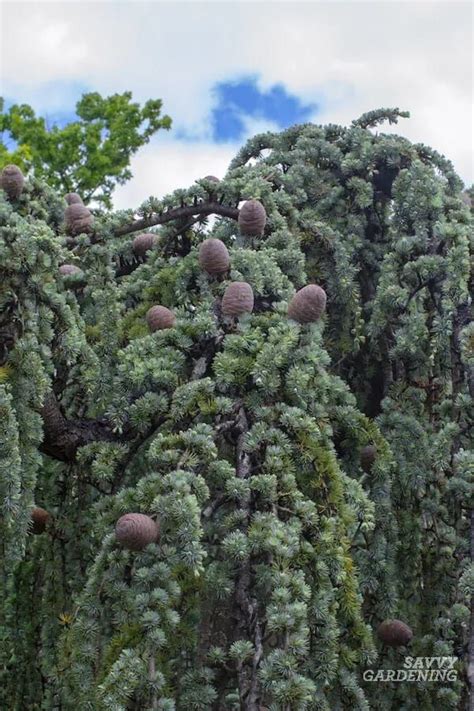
243, 450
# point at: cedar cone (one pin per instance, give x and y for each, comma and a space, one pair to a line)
135, 531
368, 455
308, 304
394, 633
12, 181
212, 179
237, 299
143, 243
159, 317
73, 199
213, 256
78, 219
39, 518
252, 218
69, 269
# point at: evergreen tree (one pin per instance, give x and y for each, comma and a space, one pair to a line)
235, 467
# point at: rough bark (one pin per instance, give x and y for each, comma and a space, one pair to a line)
248, 621
63, 437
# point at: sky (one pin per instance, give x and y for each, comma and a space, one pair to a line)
226, 70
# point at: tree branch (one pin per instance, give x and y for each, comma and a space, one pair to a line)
204, 208
248, 622
62, 437
126, 268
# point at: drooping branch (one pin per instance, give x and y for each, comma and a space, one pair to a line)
204, 208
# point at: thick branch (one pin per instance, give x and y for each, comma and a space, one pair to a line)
204, 208
248, 621
126, 268
62, 437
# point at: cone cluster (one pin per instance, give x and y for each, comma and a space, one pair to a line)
306, 306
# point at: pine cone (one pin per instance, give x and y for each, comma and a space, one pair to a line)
73, 199
39, 518
213, 256
211, 192
308, 304
394, 633
252, 218
368, 455
135, 531
159, 318
12, 181
143, 243
237, 299
78, 219
69, 269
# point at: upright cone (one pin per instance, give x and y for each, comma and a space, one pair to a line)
237, 299
78, 219
159, 318
368, 455
135, 531
214, 257
394, 633
143, 244
12, 181
308, 304
73, 199
39, 518
252, 218
69, 270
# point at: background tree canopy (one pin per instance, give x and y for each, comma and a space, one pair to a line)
220, 490
91, 155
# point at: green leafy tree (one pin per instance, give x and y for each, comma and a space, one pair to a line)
91, 155
295, 474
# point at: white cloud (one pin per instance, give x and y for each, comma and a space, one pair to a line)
163, 166
350, 57
166, 164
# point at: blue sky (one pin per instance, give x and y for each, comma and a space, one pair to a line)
227, 70
236, 99
233, 101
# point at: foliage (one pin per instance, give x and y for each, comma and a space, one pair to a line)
279, 553
90, 155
